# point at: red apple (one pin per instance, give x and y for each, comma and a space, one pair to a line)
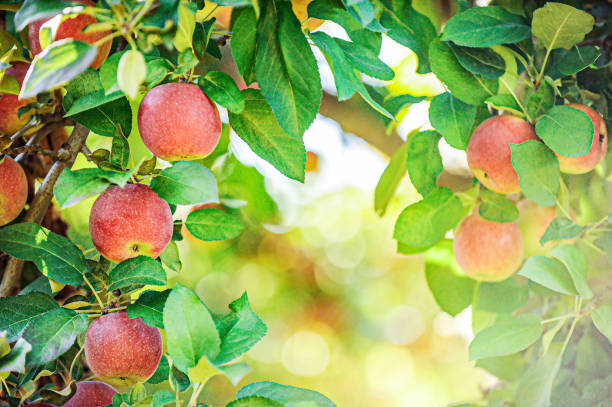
130, 221
122, 351
10, 123
72, 27
177, 121
489, 154
533, 222
13, 190
585, 163
92, 394
488, 251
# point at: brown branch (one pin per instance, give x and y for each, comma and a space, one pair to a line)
36, 149
46, 130
356, 117
11, 279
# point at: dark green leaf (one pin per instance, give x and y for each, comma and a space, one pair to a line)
244, 45
481, 61
239, 330
572, 61
186, 183
286, 69
141, 270
567, 131
485, 26
58, 63
150, 308
52, 336
120, 151
426, 222
54, 255
538, 171
255, 401
395, 104
108, 73
190, 330
463, 84
344, 74
258, 127
210, 224
453, 119
508, 336
496, 207
423, 161
540, 101
221, 88
18, 312
108, 119
365, 60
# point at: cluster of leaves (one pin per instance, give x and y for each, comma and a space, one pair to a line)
526, 60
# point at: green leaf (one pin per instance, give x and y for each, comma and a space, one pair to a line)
480, 61
423, 161
58, 63
15, 361
485, 26
394, 104
287, 395
602, 318
255, 401
221, 88
510, 335
536, 384
286, 69
190, 330
162, 398
538, 171
560, 229
54, 255
390, 180
108, 73
170, 257
410, 28
505, 102
120, 151
510, 367
244, 42
74, 186
108, 119
235, 372
211, 224
186, 183
558, 25
258, 127
141, 270
150, 308
496, 207
131, 72
576, 265
540, 101
567, 131
463, 84
52, 336
453, 119
450, 287
18, 312
426, 222
239, 331
505, 296
551, 273
34, 10
365, 60
573, 61
186, 26
344, 74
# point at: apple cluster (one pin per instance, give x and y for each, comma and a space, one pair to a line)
491, 251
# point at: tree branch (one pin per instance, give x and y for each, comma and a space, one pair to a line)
11, 279
356, 117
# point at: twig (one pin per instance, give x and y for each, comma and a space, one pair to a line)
11, 279
36, 137
36, 149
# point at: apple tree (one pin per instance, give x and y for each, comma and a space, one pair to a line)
525, 240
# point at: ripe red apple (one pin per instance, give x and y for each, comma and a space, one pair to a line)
9, 104
71, 27
488, 251
130, 221
177, 121
122, 351
13, 190
585, 163
489, 154
92, 394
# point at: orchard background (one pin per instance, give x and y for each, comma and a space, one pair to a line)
264, 203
